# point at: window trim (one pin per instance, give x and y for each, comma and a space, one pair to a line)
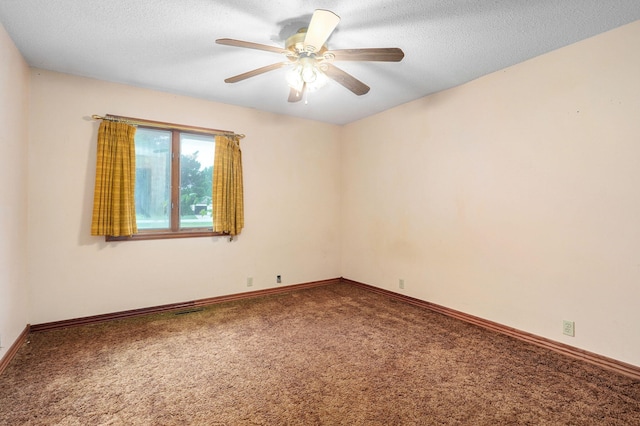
175, 231
166, 235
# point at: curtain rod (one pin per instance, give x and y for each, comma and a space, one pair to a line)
160, 124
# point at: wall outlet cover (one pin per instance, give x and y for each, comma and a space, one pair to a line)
569, 328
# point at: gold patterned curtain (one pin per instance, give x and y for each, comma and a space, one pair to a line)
228, 202
114, 207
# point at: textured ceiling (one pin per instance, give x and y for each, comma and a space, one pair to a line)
169, 45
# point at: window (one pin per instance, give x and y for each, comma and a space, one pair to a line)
174, 171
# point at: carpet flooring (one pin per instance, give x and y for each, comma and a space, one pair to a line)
330, 355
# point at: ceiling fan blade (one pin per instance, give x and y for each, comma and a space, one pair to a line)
250, 45
390, 54
296, 95
347, 80
255, 72
322, 24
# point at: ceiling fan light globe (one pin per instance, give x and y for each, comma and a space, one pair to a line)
294, 78
320, 81
309, 74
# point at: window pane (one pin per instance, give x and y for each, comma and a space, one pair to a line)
153, 178
196, 173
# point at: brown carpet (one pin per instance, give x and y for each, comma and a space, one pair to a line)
330, 355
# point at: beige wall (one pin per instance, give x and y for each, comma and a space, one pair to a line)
514, 197
14, 86
291, 171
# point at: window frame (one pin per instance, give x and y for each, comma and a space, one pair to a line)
174, 218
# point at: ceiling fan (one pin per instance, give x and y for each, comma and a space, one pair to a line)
311, 62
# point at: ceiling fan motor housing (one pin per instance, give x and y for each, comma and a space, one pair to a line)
295, 43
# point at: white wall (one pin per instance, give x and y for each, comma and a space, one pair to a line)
14, 87
514, 197
291, 172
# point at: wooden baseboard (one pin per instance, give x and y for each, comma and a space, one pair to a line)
6, 359
177, 306
590, 357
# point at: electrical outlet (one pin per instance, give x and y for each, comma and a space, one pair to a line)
249, 281
278, 279
401, 283
569, 328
